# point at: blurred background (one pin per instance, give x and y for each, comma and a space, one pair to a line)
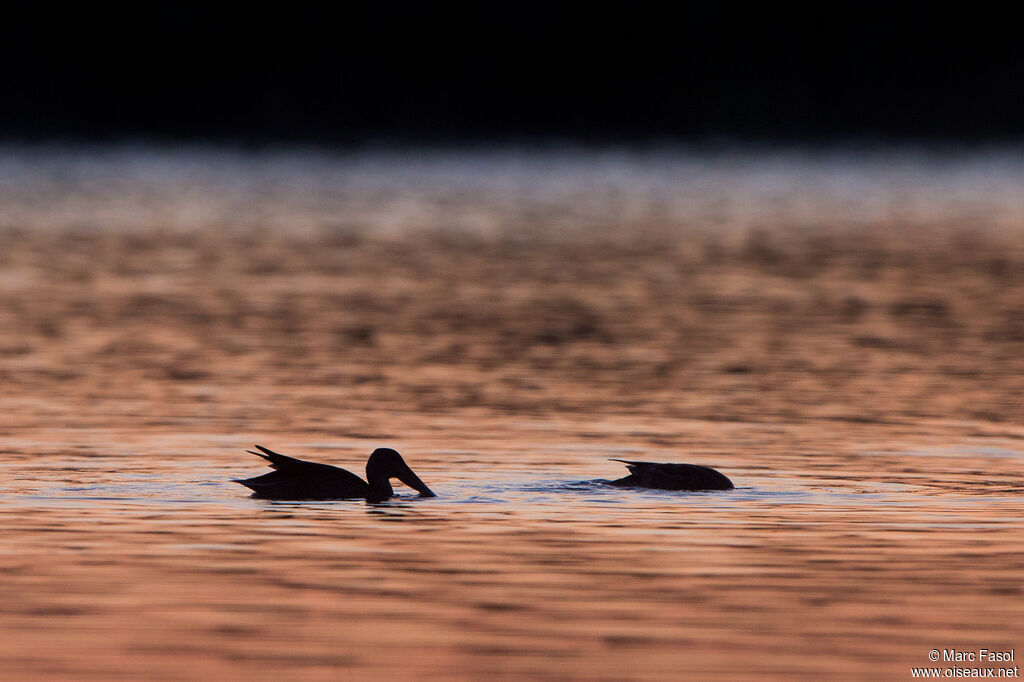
513, 242
538, 71
727, 210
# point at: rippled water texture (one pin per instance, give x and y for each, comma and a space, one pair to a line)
840, 334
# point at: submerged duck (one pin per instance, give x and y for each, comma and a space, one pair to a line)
671, 477
295, 479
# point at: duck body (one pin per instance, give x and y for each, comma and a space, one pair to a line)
296, 479
671, 477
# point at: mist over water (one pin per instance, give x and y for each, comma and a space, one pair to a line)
496, 190
839, 332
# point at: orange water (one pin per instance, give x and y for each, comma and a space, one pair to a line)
131, 555
877, 455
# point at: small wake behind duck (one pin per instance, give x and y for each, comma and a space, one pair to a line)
652, 476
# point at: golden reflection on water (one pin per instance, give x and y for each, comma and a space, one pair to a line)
858, 380
129, 565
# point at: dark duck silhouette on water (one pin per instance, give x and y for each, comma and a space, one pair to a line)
296, 479
671, 477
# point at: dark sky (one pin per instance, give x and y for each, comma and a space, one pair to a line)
511, 70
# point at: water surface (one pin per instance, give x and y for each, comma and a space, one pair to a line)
841, 335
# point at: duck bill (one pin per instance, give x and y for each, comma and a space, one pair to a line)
408, 477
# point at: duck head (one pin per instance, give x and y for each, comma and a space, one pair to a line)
385, 464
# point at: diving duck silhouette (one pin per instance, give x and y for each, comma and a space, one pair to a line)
296, 479
671, 477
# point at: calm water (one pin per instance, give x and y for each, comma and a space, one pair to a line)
139, 559
853, 544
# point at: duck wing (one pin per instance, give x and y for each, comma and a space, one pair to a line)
286, 463
297, 479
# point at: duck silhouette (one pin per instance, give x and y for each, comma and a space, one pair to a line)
296, 479
671, 477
